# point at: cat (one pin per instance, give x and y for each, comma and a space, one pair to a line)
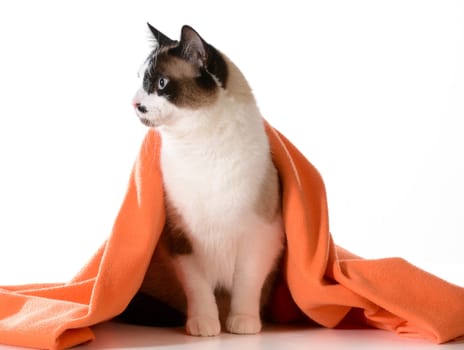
224, 233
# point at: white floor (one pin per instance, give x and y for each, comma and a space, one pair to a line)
120, 336
117, 336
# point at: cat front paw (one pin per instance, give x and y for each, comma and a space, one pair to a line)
203, 326
243, 324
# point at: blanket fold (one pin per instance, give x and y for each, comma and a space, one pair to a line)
327, 283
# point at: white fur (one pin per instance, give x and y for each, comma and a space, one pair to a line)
213, 161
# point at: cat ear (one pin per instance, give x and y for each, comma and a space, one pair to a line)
193, 47
160, 39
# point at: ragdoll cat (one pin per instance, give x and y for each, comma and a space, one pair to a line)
223, 233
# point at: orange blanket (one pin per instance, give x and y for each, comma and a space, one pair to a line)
327, 283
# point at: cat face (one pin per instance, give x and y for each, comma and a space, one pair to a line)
179, 76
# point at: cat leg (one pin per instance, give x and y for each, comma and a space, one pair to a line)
255, 259
202, 310
244, 316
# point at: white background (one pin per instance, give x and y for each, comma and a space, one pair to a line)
371, 92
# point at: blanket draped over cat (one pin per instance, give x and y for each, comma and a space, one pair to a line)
328, 284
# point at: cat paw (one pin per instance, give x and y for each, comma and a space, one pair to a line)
243, 324
203, 326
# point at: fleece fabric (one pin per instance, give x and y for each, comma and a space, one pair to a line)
328, 284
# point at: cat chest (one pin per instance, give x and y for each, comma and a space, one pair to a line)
205, 206
216, 192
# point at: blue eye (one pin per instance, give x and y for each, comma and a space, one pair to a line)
162, 82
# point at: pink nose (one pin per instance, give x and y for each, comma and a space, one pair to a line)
135, 104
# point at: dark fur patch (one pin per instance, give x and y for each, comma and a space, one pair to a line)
217, 66
173, 236
191, 85
188, 86
177, 242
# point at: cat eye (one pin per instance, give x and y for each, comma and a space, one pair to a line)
162, 82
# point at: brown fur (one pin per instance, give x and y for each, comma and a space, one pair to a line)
175, 67
173, 235
182, 76
177, 242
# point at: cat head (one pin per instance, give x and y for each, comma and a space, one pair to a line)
179, 77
